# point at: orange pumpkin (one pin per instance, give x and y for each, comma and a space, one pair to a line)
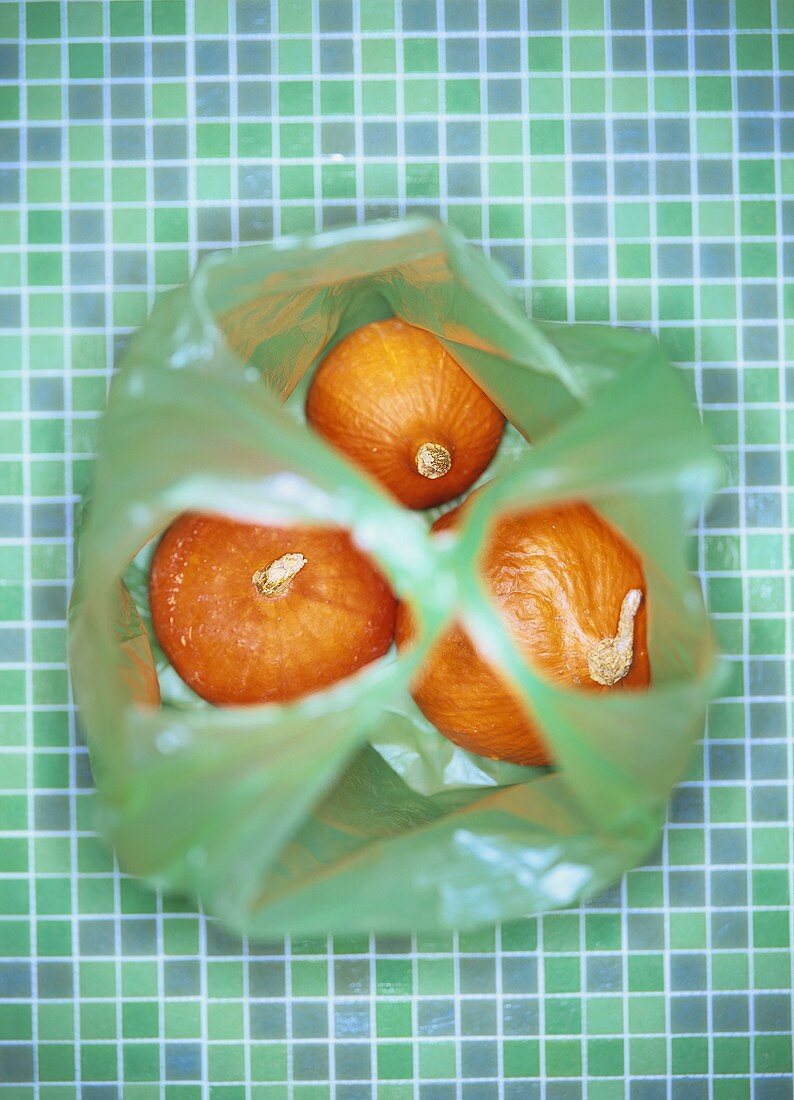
259, 614
394, 401
570, 591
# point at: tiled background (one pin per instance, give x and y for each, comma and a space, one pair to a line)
628, 162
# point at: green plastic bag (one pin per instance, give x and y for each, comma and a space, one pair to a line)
347, 811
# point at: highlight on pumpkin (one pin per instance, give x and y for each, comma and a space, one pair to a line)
248, 613
392, 399
570, 591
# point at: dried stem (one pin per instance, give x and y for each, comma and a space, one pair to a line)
610, 659
276, 579
433, 460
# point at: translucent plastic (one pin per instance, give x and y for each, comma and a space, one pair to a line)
347, 811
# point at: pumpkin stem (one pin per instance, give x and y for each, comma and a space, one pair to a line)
276, 579
433, 460
610, 659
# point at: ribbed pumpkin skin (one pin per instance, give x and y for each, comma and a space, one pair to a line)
389, 387
558, 577
231, 644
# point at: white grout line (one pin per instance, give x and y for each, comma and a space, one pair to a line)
654, 324
27, 575
273, 35
371, 1000
69, 495
107, 209
701, 549
192, 246
787, 563
234, 212
150, 288
742, 483
358, 115
316, 160
275, 60
443, 182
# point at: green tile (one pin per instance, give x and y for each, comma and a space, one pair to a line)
644, 889
140, 1020
732, 1088
141, 1062
588, 95
309, 979
604, 1016
210, 17
55, 1021
394, 1060
225, 979
563, 1058
16, 943
648, 1056
587, 53
295, 57
139, 979
729, 972
394, 976
86, 60
546, 93
378, 55
226, 1062
561, 932
183, 1019
394, 1019
562, 975
521, 1057
84, 18
630, 94
168, 17
435, 976
169, 100
671, 93
519, 935
9, 103
212, 139
126, 18
646, 973
687, 931
16, 1022
437, 1060
772, 1053
753, 14
224, 1021
43, 19
98, 1061
563, 1016
376, 15
605, 1057
44, 103
545, 54
56, 1062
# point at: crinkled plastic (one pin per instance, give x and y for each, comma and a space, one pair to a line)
347, 811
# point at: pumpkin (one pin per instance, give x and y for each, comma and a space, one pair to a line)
259, 614
570, 592
393, 400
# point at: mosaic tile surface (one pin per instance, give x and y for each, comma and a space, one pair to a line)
628, 162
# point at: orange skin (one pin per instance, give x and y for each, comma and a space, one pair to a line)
558, 576
234, 645
388, 388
